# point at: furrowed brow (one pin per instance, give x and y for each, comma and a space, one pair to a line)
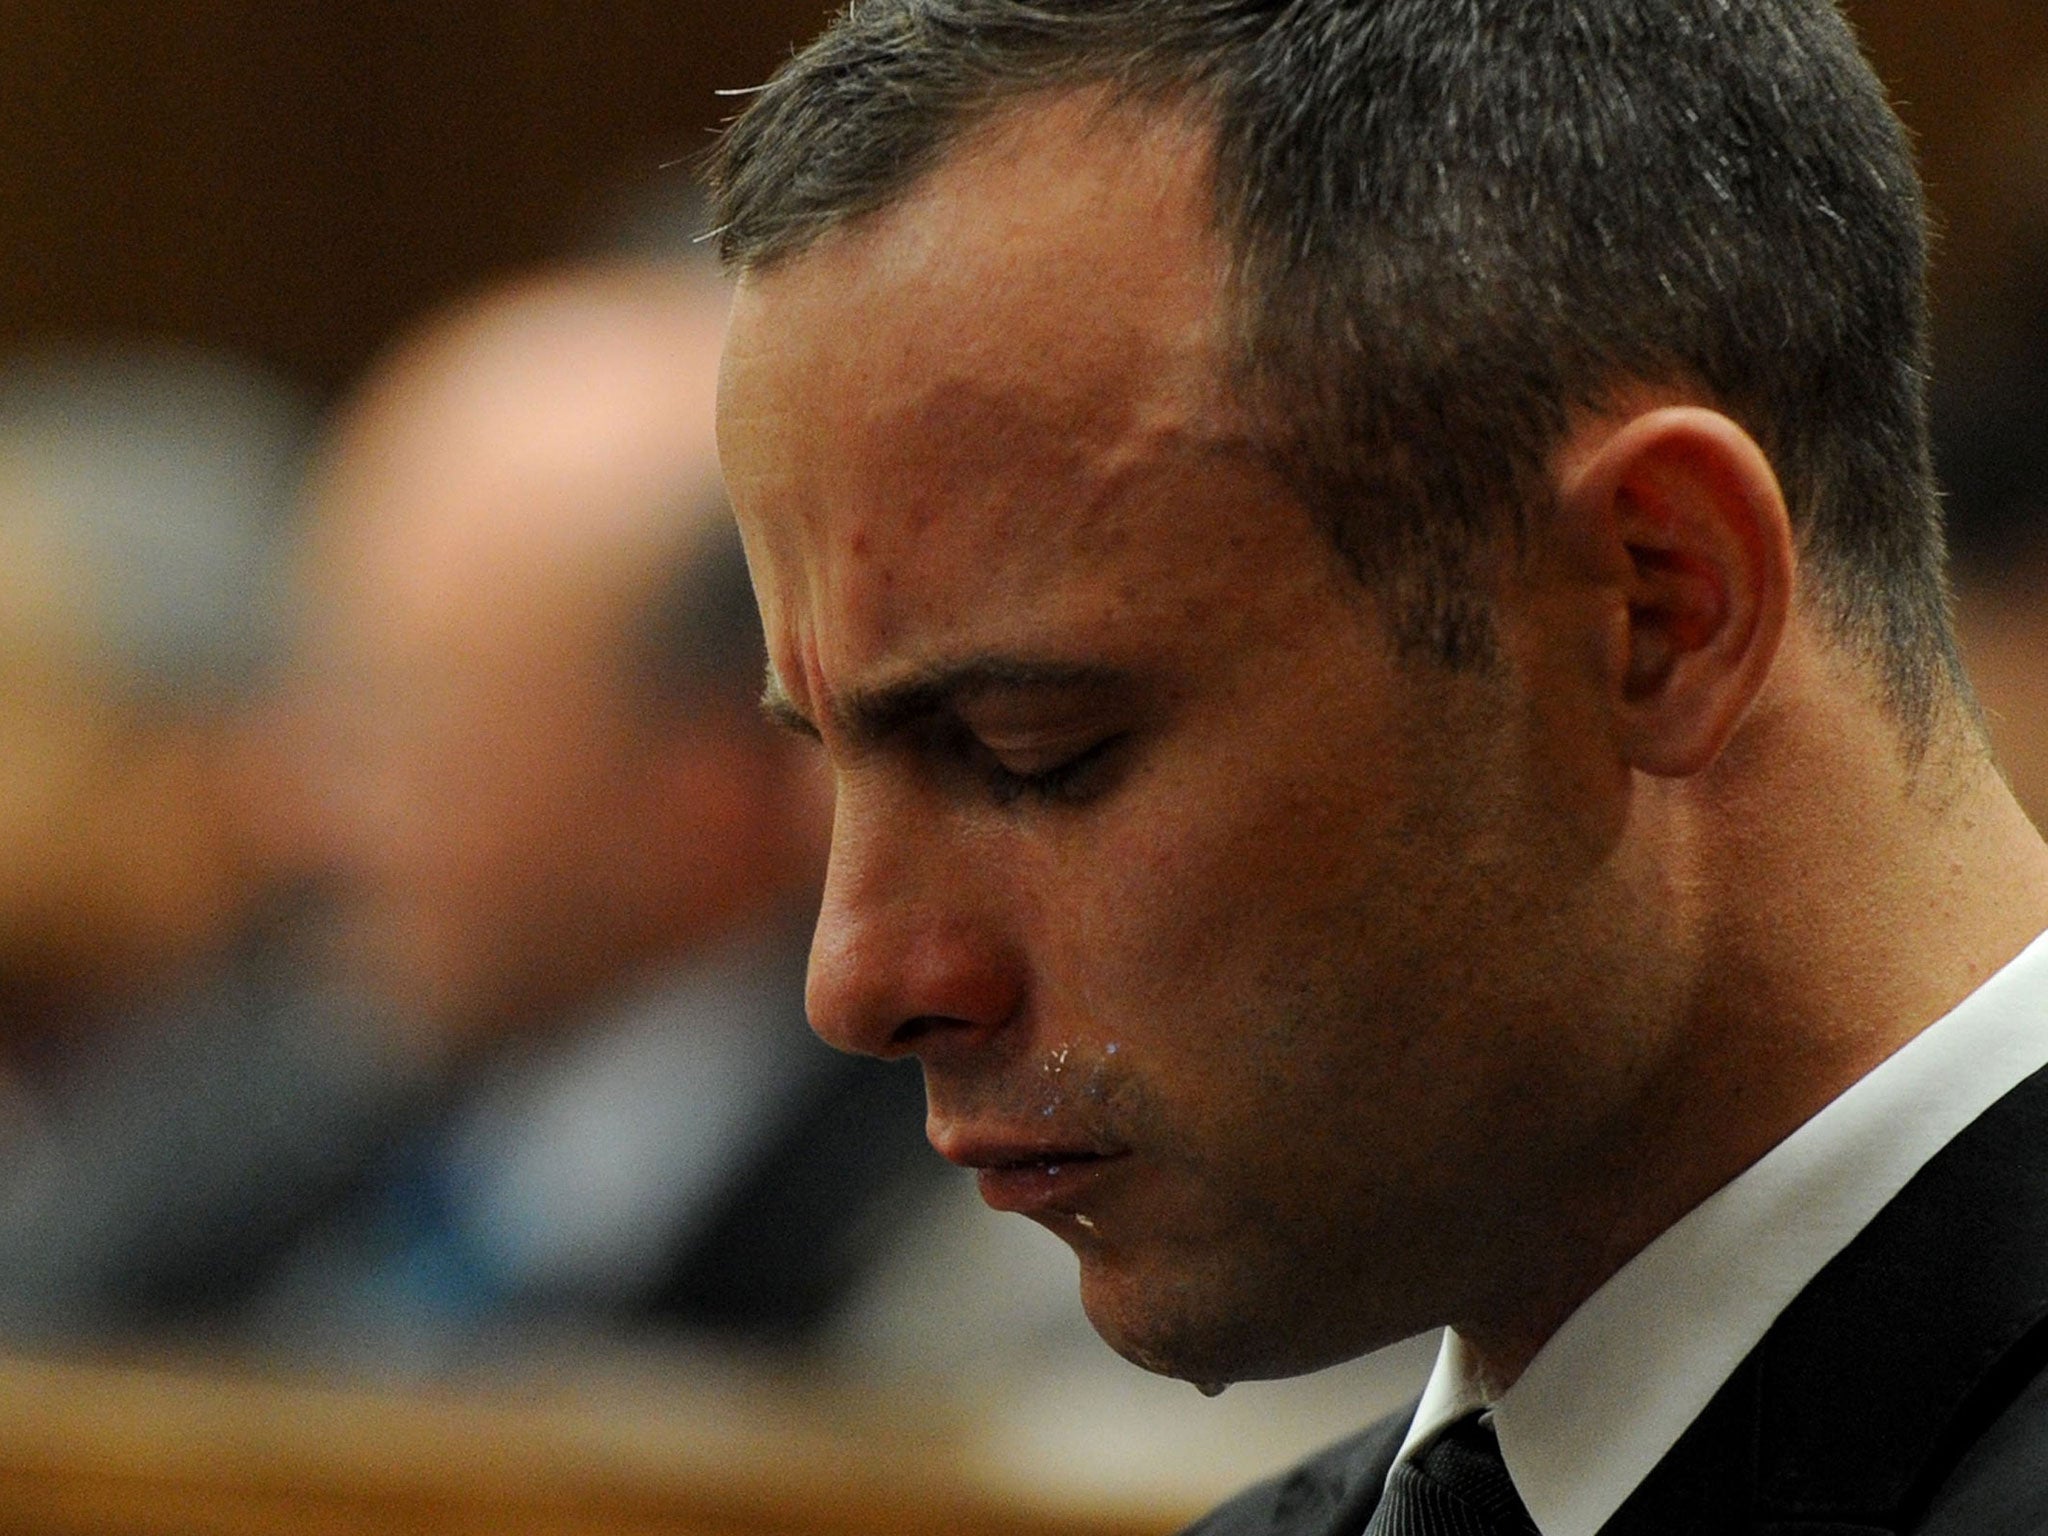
875, 714
872, 715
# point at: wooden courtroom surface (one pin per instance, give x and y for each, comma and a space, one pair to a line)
112, 1450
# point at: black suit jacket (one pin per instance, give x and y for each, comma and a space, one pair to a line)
819, 1202
1904, 1390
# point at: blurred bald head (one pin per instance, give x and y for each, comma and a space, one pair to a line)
537, 657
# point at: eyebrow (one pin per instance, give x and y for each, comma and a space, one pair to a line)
777, 706
870, 715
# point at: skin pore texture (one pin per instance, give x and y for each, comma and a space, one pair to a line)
1314, 994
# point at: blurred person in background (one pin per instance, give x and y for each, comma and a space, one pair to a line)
141, 506
569, 850
178, 1079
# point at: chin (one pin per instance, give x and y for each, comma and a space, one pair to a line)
1200, 1331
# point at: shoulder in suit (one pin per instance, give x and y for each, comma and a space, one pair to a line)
1332, 1493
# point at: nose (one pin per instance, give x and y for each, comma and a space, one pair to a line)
911, 955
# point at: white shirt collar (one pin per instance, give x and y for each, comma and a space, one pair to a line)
1615, 1387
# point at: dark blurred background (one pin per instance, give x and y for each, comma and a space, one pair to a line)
297, 181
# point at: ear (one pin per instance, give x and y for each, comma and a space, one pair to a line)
1695, 545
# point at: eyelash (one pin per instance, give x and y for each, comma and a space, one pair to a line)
1063, 784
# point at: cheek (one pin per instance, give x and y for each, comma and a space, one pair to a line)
1221, 879
1169, 938
1254, 940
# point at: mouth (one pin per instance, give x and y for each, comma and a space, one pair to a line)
1036, 1179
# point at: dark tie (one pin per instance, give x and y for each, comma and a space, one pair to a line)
1458, 1486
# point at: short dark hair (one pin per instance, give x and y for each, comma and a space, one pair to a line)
1453, 221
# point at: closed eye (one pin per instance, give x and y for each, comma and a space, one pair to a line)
1070, 782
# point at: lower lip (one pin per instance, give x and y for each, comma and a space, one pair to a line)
1043, 1188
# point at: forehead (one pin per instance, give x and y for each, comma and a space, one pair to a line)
1069, 221
1005, 362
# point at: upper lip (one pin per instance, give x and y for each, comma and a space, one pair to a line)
974, 1148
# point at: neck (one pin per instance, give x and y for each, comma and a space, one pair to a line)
1837, 899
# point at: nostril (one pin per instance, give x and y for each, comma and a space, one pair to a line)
910, 1031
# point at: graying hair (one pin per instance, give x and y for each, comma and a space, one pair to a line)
163, 479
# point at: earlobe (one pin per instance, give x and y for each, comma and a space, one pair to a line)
1699, 556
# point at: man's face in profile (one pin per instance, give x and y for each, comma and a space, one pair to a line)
1245, 956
